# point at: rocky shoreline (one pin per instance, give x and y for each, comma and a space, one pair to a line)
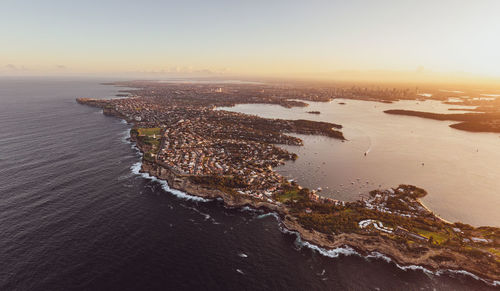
300, 210
363, 244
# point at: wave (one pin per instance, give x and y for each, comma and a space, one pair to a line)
250, 209
274, 214
136, 169
126, 139
126, 136
439, 272
332, 253
164, 185
348, 251
205, 215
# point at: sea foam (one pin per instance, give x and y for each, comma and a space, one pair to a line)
136, 169
332, 253
274, 214
164, 185
348, 251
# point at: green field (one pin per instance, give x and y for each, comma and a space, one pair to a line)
151, 141
149, 131
289, 195
496, 253
438, 237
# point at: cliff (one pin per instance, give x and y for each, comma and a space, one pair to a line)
305, 213
433, 259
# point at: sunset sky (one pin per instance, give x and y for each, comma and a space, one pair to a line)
267, 38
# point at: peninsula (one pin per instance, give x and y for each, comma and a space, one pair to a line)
483, 110
474, 122
214, 153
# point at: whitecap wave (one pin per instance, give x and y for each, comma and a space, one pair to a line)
348, 251
439, 272
205, 215
274, 214
249, 209
332, 253
126, 136
136, 168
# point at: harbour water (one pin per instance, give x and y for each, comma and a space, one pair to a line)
75, 215
459, 169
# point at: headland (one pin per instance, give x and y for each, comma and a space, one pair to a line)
220, 154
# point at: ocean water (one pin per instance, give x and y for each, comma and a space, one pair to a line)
76, 215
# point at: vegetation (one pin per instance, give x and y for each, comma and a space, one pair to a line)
149, 138
437, 238
226, 184
330, 218
149, 131
400, 209
149, 156
475, 122
291, 194
151, 141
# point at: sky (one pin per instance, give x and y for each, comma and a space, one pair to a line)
447, 38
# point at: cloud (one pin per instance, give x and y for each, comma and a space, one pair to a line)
11, 67
61, 67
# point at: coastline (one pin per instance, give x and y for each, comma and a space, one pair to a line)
370, 245
430, 210
472, 122
346, 244
373, 246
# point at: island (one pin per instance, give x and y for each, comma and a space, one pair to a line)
201, 150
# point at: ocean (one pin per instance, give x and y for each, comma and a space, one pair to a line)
75, 214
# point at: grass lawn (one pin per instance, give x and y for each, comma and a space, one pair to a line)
496, 253
289, 195
438, 237
149, 131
